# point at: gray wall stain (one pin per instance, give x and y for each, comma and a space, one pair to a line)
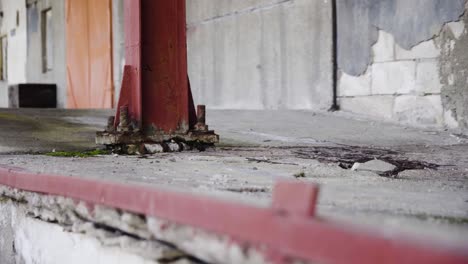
453, 68
33, 19
356, 35
34, 72
410, 22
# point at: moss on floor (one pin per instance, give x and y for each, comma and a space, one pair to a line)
78, 154
447, 219
32, 132
15, 117
3, 199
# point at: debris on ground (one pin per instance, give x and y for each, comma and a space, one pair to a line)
347, 156
377, 166
154, 148
300, 175
266, 160
248, 190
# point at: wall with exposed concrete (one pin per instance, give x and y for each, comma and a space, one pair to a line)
13, 27
58, 74
401, 66
453, 71
29, 240
260, 54
44, 229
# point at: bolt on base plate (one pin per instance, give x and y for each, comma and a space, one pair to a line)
135, 143
127, 138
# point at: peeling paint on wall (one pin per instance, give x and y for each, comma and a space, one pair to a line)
356, 35
410, 22
408, 64
454, 71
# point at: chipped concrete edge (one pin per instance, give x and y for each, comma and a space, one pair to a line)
152, 238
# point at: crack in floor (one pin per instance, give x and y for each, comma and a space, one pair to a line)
347, 156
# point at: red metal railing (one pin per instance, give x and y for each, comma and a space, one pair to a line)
288, 228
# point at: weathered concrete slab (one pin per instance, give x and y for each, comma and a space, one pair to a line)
428, 198
34, 130
259, 147
303, 128
43, 130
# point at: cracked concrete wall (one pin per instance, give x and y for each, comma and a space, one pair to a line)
260, 54
410, 22
28, 240
402, 66
32, 225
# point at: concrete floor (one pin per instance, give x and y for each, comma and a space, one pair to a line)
259, 147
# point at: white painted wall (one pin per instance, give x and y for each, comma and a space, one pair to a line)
17, 37
17, 47
34, 72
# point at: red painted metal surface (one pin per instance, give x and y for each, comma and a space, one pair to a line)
155, 86
296, 198
164, 77
291, 233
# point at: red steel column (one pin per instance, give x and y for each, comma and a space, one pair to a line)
155, 99
155, 86
164, 64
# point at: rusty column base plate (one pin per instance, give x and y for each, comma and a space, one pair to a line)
136, 143
126, 138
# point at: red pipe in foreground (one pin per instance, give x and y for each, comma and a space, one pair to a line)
288, 228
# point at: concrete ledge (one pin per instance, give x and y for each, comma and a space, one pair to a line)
28, 240
280, 233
